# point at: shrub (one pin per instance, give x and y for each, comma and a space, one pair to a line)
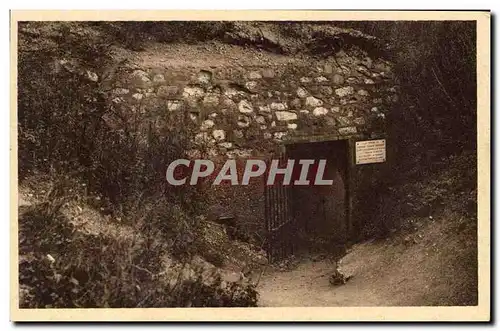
60, 267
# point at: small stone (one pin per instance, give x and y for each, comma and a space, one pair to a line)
211, 100
206, 125
374, 110
377, 100
304, 111
137, 96
254, 75
292, 126
267, 135
336, 109
50, 258
159, 78
381, 115
328, 68
279, 135
251, 86
353, 80
344, 121
243, 122
313, 102
320, 111
245, 107
348, 130
369, 81
363, 70
263, 127
193, 92
302, 92
213, 115
233, 92
141, 75
363, 93
173, 105
273, 124
344, 91
167, 91
321, 79
204, 77
278, 106
285, 116
92, 76
219, 135
305, 79
260, 119
338, 79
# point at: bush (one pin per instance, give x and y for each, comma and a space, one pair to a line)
60, 267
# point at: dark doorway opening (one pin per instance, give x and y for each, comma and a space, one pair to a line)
316, 218
321, 213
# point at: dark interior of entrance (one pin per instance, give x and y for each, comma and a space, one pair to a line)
320, 213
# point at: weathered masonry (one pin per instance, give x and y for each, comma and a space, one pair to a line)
259, 105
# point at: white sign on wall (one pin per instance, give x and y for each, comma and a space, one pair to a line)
370, 151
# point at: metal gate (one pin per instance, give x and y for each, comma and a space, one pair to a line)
279, 217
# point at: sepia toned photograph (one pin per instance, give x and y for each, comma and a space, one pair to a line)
329, 161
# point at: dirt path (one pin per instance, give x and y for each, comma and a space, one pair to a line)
433, 266
308, 286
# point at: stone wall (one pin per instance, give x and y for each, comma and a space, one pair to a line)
247, 111
238, 107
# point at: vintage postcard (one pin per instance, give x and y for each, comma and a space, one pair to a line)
250, 166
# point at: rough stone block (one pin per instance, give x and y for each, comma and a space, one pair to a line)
320, 111
193, 92
219, 135
344, 91
302, 92
245, 107
285, 116
207, 124
348, 130
168, 91
278, 106
254, 75
313, 102
338, 79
